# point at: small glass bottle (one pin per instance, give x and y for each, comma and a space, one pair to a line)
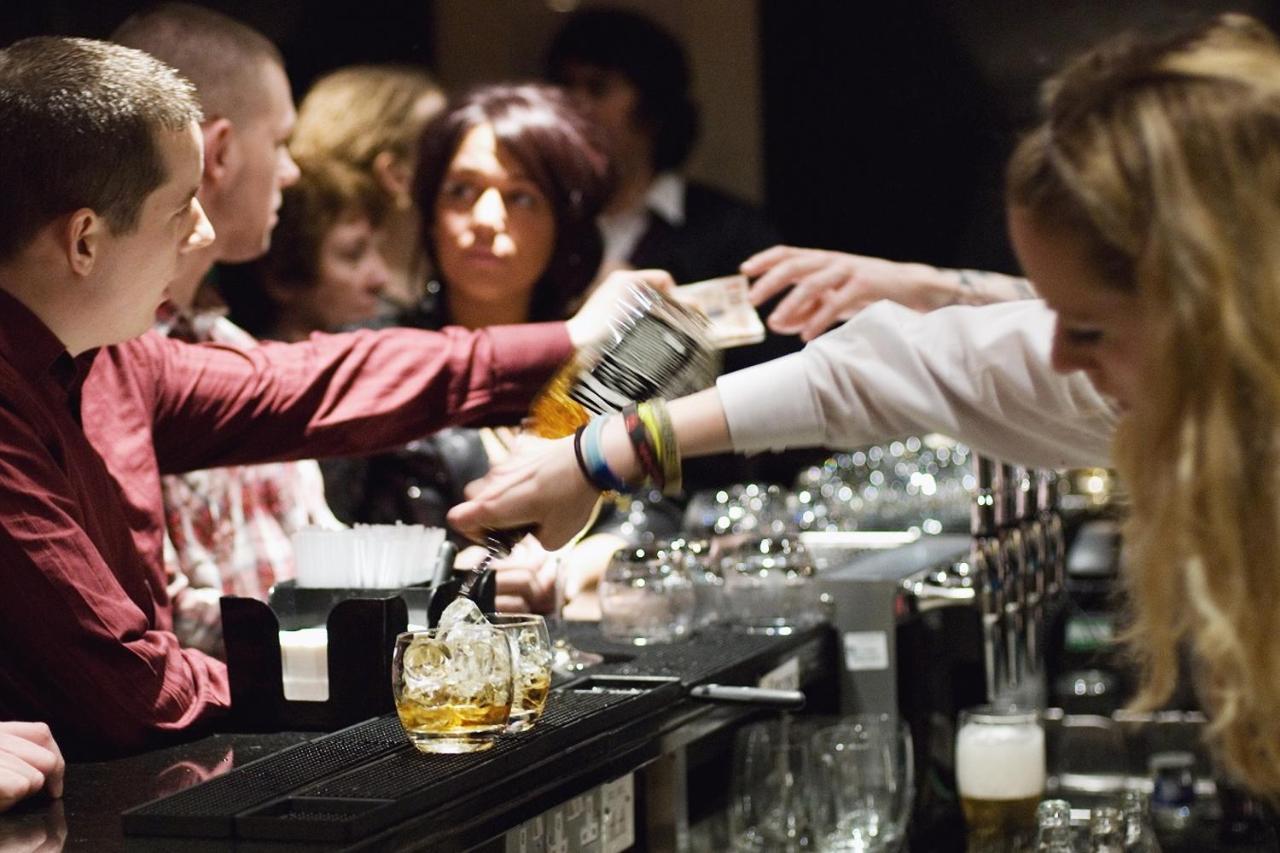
1106, 830
1139, 835
1053, 830
1173, 793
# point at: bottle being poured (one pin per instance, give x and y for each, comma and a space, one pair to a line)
654, 347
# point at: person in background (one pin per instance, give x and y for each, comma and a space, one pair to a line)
229, 528
510, 180
1145, 206
632, 77
369, 117
30, 762
325, 270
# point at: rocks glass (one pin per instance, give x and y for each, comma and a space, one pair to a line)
532, 656
453, 687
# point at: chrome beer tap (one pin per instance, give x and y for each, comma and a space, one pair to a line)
1054, 538
984, 566
1011, 559
1033, 566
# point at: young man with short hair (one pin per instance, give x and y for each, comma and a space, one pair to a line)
103, 161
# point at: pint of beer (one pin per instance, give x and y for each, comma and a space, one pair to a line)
1000, 773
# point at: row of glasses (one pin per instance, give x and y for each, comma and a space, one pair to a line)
918, 482
801, 785
661, 593
458, 687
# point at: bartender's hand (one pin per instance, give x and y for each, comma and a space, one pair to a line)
538, 485
828, 287
591, 323
30, 762
526, 578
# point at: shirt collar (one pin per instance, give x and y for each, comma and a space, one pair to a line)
30, 346
665, 198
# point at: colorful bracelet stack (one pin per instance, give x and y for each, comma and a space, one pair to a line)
653, 439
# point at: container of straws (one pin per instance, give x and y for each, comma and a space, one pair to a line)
317, 655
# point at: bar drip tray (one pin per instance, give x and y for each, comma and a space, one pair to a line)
367, 784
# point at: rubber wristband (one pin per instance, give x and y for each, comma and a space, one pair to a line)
582, 463
642, 444
593, 454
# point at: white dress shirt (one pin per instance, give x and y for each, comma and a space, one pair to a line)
978, 374
622, 231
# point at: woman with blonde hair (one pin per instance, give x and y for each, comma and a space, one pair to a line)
1146, 208
369, 118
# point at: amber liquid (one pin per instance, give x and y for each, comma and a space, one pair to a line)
659, 349
1000, 825
444, 720
554, 414
534, 695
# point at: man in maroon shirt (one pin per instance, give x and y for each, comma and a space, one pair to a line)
101, 168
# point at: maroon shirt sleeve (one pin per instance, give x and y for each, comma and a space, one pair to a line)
77, 649
343, 394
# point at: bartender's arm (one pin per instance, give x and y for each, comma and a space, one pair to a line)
828, 287
981, 375
30, 762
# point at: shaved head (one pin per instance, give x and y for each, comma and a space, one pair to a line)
222, 57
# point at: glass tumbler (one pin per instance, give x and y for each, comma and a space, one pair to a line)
453, 687
531, 661
646, 597
1000, 775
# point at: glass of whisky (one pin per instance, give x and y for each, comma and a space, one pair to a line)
532, 656
453, 687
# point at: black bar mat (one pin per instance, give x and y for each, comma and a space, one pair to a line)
360, 781
405, 783
208, 810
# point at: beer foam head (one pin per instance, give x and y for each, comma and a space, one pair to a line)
1000, 762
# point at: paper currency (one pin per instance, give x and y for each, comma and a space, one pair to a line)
734, 321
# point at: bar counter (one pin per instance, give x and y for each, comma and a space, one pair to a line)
365, 788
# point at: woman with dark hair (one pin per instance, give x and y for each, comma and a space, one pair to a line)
510, 180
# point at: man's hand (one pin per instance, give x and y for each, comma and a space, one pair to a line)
30, 762
591, 323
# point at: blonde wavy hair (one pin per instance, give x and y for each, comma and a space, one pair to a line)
1164, 158
356, 113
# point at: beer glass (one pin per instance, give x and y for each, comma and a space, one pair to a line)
771, 789
1000, 775
531, 661
453, 687
864, 786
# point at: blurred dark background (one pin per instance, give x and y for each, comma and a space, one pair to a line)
870, 127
